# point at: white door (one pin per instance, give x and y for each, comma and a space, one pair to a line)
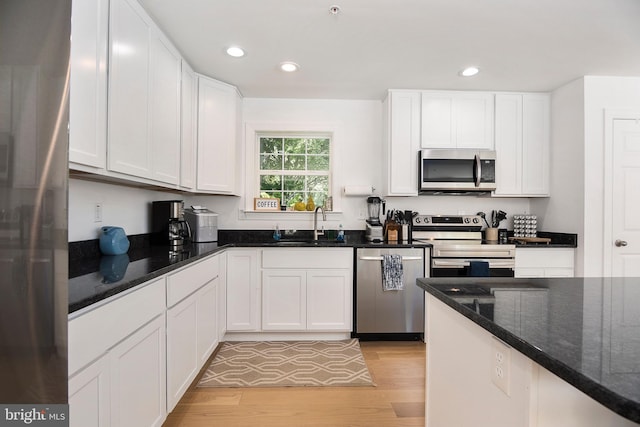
625, 206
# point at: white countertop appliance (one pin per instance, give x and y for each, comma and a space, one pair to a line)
203, 224
458, 246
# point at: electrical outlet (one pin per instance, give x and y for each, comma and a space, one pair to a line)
501, 365
97, 212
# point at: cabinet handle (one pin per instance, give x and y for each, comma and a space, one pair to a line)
379, 258
619, 243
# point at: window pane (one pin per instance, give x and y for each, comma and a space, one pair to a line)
272, 194
294, 162
271, 162
270, 182
318, 184
270, 145
294, 183
318, 146
291, 197
295, 145
318, 163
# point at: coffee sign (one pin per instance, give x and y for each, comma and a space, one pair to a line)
266, 204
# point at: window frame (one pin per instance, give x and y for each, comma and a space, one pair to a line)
293, 172
252, 130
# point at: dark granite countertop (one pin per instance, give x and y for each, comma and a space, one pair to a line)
558, 240
584, 330
94, 277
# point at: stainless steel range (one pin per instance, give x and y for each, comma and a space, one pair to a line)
458, 248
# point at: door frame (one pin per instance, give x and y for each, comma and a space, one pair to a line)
610, 115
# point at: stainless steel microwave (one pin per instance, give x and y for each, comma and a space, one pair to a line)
458, 171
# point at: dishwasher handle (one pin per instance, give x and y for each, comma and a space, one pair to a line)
379, 258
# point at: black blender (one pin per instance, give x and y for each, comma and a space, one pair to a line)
374, 228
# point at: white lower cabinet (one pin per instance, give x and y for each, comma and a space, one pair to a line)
89, 395
138, 377
132, 358
544, 262
243, 290
117, 369
307, 289
192, 335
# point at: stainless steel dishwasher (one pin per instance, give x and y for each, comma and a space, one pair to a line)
384, 314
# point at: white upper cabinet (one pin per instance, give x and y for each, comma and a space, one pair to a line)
166, 65
144, 90
188, 128
522, 145
88, 87
457, 120
401, 143
217, 136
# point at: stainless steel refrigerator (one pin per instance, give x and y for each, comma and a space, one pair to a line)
34, 63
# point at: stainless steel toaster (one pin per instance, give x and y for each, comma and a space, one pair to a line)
203, 224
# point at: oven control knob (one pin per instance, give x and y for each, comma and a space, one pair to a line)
466, 220
476, 220
417, 220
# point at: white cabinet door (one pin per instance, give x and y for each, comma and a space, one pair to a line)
508, 141
217, 139
192, 335
144, 97
129, 144
535, 144
207, 321
284, 300
402, 143
243, 290
222, 296
188, 128
522, 145
138, 377
544, 262
329, 301
457, 120
88, 86
89, 403
182, 349
165, 110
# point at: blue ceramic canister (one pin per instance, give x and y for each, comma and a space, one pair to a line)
113, 241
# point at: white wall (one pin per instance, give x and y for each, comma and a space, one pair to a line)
577, 201
564, 210
358, 161
122, 206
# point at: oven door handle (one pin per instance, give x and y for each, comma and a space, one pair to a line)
457, 263
379, 258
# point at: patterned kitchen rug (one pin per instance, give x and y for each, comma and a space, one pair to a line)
288, 364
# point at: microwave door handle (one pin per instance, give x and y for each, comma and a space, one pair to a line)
478, 170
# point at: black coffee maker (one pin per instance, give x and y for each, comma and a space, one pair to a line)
168, 225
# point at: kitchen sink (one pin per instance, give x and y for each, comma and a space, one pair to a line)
309, 242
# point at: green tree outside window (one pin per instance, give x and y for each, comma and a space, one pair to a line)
294, 168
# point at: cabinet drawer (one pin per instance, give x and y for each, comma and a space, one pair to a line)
186, 281
93, 333
307, 258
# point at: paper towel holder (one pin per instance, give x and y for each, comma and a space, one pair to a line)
358, 190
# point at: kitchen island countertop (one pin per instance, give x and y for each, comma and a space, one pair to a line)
584, 330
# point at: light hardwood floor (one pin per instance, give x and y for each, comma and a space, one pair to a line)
397, 368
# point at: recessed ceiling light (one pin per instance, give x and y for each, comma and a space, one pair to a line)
289, 67
235, 51
469, 71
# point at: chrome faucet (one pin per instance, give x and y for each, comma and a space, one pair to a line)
317, 233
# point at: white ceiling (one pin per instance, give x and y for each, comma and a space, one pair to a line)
375, 45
